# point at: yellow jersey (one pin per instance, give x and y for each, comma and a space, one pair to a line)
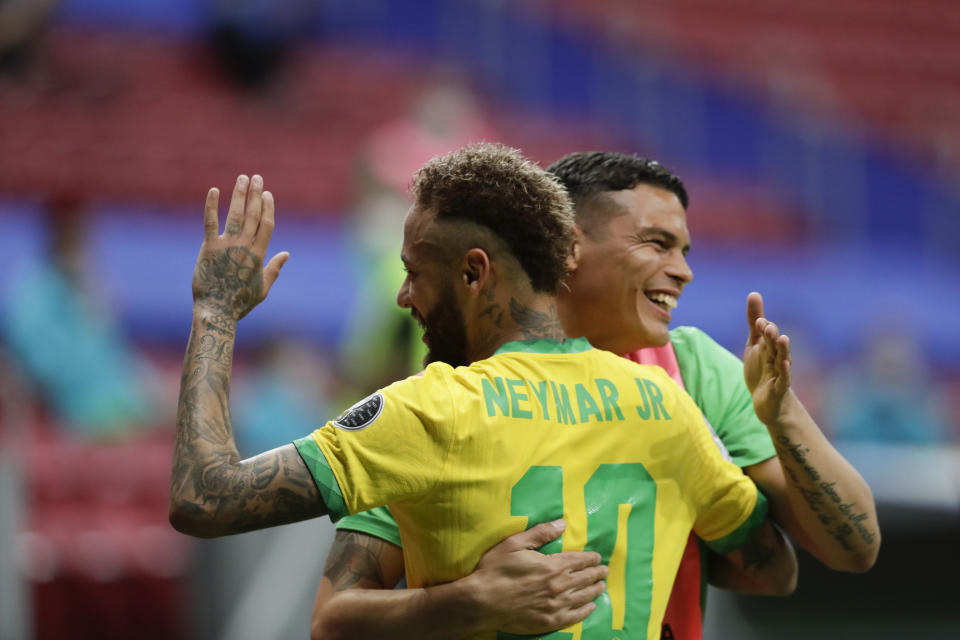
541, 430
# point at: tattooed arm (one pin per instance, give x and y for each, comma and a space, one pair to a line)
514, 589
212, 491
814, 493
765, 565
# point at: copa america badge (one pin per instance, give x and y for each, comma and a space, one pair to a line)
362, 414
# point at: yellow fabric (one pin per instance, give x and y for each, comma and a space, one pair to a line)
447, 467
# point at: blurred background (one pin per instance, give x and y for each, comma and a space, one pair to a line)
820, 142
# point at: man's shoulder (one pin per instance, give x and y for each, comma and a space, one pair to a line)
430, 383
432, 373
714, 377
683, 338
695, 344
686, 334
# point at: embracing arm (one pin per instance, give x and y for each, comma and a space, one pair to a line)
513, 589
357, 599
765, 565
814, 493
212, 491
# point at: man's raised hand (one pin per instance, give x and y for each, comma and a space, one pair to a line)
229, 279
766, 362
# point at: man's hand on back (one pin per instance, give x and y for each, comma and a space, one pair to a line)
523, 591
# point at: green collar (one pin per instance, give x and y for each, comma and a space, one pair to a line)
546, 345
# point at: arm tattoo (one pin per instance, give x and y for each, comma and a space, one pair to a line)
211, 486
822, 496
354, 561
214, 484
757, 554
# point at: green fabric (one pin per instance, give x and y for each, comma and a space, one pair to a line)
377, 522
714, 377
568, 345
322, 476
741, 534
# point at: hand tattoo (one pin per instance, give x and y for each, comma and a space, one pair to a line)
230, 282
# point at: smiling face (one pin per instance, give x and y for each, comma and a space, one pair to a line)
632, 270
429, 291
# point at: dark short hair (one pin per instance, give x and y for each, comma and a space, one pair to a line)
586, 174
496, 187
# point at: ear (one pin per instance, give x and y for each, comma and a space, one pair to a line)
573, 259
475, 269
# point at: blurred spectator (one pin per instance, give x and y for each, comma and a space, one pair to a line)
67, 342
285, 395
21, 24
889, 396
384, 341
252, 39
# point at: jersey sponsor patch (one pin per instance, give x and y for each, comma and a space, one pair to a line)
362, 414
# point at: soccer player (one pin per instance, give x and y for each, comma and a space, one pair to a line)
632, 270
539, 427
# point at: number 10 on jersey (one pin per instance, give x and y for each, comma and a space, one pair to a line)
620, 503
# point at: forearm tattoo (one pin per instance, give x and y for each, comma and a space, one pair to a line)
210, 481
840, 519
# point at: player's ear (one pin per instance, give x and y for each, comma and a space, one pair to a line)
573, 259
475, 269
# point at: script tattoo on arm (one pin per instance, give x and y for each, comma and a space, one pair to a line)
840, 519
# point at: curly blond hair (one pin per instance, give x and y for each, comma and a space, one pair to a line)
496, 187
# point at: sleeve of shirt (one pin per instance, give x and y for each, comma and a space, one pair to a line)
390, 447
729, 508
378, 523
714, 378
